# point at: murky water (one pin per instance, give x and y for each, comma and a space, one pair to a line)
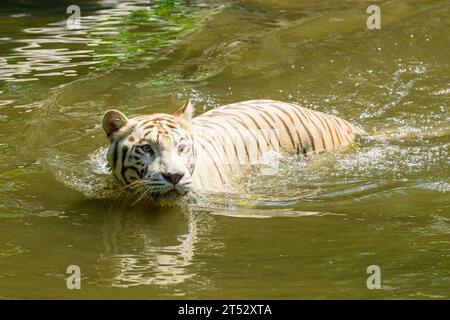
308, 231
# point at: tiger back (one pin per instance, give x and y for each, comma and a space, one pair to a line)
235, 136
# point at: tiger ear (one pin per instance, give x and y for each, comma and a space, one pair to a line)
186, 111
113, 120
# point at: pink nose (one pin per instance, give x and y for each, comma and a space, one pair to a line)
173, 177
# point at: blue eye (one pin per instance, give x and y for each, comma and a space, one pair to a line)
147, 149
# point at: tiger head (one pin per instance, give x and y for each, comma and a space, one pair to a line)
153, 156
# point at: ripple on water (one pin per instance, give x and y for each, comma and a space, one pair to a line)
109, 34
376, 168
90, 176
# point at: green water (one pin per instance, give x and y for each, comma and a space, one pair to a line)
309, 231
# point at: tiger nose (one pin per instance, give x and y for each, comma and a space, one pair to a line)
173, 177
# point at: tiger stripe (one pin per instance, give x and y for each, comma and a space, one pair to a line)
228, 138
299, 131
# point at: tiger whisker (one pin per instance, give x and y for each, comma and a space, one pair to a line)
131, 187
145, 192
141, 195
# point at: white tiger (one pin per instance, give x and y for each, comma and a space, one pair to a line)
165, 156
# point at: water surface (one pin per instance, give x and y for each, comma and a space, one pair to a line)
309, 230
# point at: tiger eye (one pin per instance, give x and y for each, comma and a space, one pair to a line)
146, 148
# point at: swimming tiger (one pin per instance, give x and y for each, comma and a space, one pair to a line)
167, 155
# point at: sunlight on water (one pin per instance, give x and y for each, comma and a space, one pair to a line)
106, 37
